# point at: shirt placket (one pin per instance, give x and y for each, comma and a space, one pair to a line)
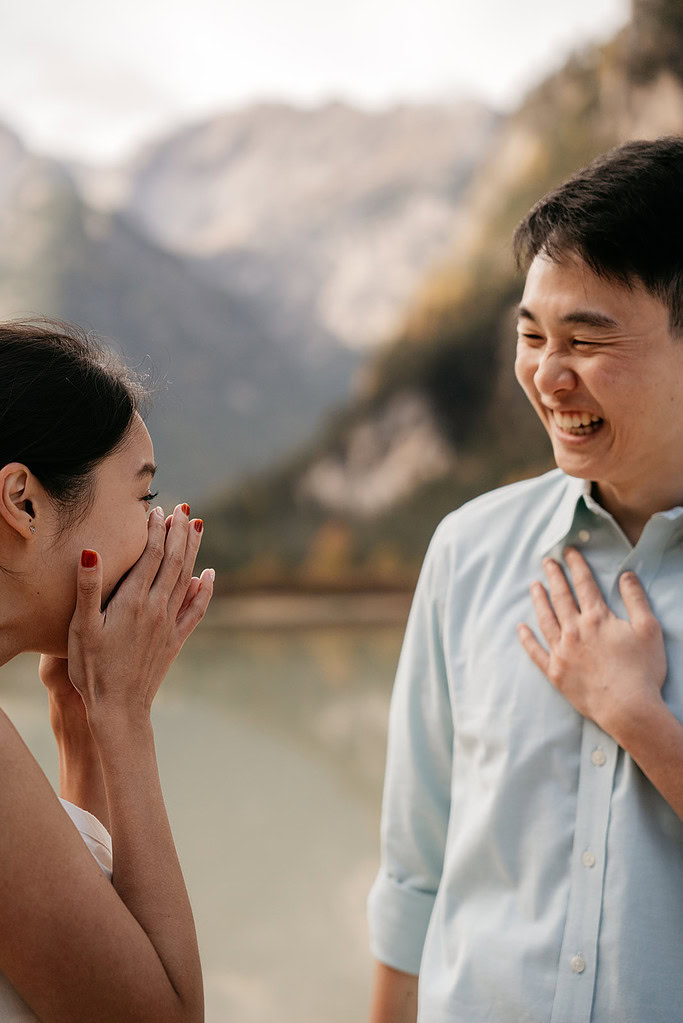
578, 957
598, 760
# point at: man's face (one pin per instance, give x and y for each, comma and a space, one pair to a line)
595, 353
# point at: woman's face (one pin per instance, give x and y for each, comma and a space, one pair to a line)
116, 527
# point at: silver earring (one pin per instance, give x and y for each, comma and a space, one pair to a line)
32, 528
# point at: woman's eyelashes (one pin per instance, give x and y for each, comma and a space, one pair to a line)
149, 497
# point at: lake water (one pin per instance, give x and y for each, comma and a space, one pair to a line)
271, 748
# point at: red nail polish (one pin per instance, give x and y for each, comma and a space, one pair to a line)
186, 509
88, 559
198, 525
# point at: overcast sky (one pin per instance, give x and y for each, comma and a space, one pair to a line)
92, 80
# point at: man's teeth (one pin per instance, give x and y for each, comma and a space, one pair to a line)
569, 420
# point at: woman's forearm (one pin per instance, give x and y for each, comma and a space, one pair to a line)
147, 874
80, 771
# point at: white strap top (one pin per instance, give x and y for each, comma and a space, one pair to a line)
14, 1009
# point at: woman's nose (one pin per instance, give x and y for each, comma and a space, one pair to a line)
553, 374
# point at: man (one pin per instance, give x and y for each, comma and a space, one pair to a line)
532, 832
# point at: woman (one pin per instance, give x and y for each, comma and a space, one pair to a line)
106, 595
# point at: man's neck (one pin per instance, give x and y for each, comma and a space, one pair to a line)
632, 507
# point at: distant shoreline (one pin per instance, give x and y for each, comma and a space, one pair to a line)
305, 610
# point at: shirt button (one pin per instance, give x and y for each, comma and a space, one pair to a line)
584, 535
577, 963
588, 859
598, 757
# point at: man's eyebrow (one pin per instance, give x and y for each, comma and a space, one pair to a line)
589, 318
585, 317
148, 469
524, 314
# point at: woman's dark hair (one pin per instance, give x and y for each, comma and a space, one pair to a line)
66, 402
623, 215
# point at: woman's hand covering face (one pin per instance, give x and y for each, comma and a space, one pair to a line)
119, 656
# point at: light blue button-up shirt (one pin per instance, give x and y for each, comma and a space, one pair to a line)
530, 871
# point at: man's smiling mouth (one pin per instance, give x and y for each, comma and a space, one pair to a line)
577, 423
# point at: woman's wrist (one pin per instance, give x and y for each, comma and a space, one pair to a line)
114, 728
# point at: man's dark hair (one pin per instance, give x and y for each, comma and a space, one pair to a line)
623, 215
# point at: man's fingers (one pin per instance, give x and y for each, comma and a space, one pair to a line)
547, 621
635, 601
538, 655
88, 587
560, 593
587, 590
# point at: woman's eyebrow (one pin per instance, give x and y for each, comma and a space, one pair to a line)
148, 469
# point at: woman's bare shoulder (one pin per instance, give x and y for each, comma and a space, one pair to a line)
14, 753
36, 829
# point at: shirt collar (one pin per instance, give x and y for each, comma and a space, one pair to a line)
563, 517
576, 489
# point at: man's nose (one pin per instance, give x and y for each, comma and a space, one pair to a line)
554, 374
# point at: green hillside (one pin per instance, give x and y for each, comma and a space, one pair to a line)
454, 351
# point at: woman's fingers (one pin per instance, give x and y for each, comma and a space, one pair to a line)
142, 574
178, 596
189, 596
173, 564
196, 608
88, 590
538, 655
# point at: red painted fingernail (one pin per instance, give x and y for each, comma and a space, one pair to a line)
186, 509
198, 525
88, 559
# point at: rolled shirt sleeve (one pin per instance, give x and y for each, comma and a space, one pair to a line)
416, 801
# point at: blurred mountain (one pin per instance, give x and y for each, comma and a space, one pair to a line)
439, 416
226, 386
327, 217
240, 257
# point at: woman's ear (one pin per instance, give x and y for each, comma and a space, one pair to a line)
16, 507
